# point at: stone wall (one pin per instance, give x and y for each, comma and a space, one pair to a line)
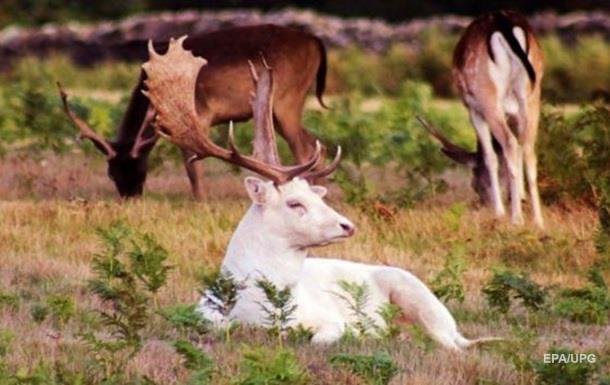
123, 40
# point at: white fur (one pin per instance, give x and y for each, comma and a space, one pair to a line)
271, 241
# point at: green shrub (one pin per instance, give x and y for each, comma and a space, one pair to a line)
39, 312
9, 301
61, 307
385, 137
225, 288
186, 319
279, 308
506, 285
589, 304
127, 277
377, 369
279, 366
447, 284
575, 72
356, 297
201, 365
6, 339
583, 142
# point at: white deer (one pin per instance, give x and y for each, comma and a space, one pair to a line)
288, 216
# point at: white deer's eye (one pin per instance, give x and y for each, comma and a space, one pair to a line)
296, 205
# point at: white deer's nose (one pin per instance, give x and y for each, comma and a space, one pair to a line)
348, 228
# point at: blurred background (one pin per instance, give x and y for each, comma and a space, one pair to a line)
32, 12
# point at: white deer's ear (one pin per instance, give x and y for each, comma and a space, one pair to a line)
320, 190
257, 189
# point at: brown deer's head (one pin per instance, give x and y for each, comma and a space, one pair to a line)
127, 159
481, 182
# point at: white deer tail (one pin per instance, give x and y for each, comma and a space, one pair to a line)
465, 343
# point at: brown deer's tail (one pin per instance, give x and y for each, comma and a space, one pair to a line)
321, 75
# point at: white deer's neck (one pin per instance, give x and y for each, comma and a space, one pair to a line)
255, 252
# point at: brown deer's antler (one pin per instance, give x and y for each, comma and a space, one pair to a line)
85, 130
264, 144
141, 143
169, 76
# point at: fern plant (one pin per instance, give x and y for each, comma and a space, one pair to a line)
356, 298
280, 308
377, 369
448, 283
127, 276
262, 366
506, 285
222, 291
201, 366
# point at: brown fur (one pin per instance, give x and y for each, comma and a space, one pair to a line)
515, 133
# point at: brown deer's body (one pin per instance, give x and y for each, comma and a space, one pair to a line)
498, 68
222, 94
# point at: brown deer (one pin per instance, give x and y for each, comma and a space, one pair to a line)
498, 68
223, 89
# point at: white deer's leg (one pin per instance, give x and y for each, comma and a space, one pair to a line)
328, 333
418, 303
491, 160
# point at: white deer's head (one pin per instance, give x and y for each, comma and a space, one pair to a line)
296, 212
286, 206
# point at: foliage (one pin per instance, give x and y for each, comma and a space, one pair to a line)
6, 339
127, 276
506, 284
589, 304
583, 142
280, 313
399, 144
576, 71
201, 365
222, 291
356, 298
447, 284
563, 373
377, 369
9, 301
389, 313
61, 307
186, 318
263, 366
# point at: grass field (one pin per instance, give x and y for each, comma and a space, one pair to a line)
50, 210
543, 291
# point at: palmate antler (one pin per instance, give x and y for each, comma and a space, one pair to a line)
172, 76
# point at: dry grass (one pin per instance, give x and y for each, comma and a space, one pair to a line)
50, 209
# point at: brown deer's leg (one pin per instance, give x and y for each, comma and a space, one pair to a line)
301, 142
510, 149
529, 148
194, 171
491, 160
